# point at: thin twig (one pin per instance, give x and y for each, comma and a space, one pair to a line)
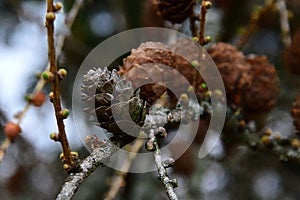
202, 22
280, 147
69, 21
70, 18
253, 23
119, 179
193, 27
55, 85
285, 149
98, 157
284, 22
163, 176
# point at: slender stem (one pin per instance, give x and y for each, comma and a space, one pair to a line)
5, 144
162, 171
193, 27
253, 23
284, 22
99, 156
70, 18
55, 86
202, 23
119, 178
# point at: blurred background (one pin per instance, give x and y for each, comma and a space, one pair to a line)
31, 168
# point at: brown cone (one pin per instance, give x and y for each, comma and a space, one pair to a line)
175, 11
152, 62
263, 91
249, 82
233, 68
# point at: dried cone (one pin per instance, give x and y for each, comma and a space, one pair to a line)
104, 92
233, 68
249, 82
292, 54
150, 17
296, 113
175, 11
263, 91
146, 64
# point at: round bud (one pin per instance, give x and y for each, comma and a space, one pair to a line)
277, 136
54, 136
50, 16
58, 6
295, 143
195, 39
208, 93
61, 156
190, 89
208, 4
62, 73
184, 99
47, 76
195, 63
268, 132
51, 96
11, 130
265, 139
74, 154
207, 39
203, 85
64, 113
38, 99
66, 167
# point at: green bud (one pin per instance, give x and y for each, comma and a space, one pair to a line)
195, 63
50, 16
195, 39
190, 89
203, 85
58, 6
207, 39
47, 76
54, 136
208, 4
74, 154
66, 166
65, 113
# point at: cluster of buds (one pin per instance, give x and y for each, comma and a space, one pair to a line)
50, 16
71, 167
270, 139
48, 76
